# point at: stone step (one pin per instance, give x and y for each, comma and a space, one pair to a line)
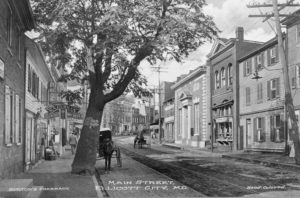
15, 188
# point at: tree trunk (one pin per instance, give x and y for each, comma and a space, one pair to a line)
85, 157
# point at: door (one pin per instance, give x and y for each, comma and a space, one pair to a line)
28, 140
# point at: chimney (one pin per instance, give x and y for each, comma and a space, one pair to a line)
239, 32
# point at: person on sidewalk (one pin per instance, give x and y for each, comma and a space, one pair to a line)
73, 143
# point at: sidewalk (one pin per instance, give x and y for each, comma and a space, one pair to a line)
56, 181
134, 179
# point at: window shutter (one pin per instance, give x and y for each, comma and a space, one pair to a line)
281, 132
29, 79
244, 68
268, 89
268, 57
276, 53
255, 62
278, 87
263, 131
250, 63
272, 129
7, 115
255, 130
17, 119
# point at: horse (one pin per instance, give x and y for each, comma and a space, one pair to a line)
108, 149
140, 141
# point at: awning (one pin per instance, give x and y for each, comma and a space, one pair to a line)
223, 104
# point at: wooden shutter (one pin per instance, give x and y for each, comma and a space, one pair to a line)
281, 130
263, 130
244, 66
255, 62
272, 129
250, 63
17, 119
7, 115
268, 57
255, 129
268, 89
278, 87
29, 78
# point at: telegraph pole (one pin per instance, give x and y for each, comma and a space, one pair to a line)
289, 106
159, 70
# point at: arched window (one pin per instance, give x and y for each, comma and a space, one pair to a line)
223, 77
229, 73
217, 80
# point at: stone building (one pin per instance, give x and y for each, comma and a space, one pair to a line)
224, 73
191, 109
15, 19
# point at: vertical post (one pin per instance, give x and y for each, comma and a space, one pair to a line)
288, 97
159, 107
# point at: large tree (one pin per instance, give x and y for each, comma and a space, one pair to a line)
105, 41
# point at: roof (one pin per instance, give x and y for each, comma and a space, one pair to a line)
194, 73
261, 48
295, 16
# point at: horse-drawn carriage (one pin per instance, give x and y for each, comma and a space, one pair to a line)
107, 149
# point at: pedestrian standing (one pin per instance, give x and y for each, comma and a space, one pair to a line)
73, 143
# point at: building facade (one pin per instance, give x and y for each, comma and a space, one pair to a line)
224, 88
191, 109
262, 99
169, 120
37, 80
15, 19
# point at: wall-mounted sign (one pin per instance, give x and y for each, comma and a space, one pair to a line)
1, 69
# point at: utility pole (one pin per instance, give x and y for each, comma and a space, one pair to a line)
159, 70
289, 106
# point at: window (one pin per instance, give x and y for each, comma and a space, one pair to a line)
9, 26
223, 77
217, 80
273, 88
277, 133
273, 55
259, 92
259, 134
180, 121
229, 110
259, 61
229, 73
248, 96
248, 67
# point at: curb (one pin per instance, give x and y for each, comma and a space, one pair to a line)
99, 194
265, 163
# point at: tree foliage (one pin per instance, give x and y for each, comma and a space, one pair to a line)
107, 39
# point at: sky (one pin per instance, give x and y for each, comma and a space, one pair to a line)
227, 15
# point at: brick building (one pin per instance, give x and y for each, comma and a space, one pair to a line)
262, 99
224, 87
191, 108
169, 119
15, 19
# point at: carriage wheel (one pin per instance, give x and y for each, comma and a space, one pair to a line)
119, 159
